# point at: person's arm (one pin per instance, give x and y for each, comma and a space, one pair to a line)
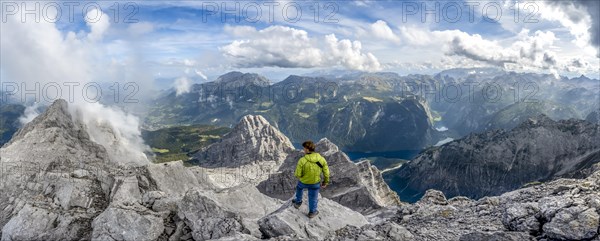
299, 172
325, 171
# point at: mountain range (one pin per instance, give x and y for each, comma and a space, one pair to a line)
357, 110
497, 161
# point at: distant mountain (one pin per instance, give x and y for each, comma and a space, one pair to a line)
593, 117
9, 120
473, 100
358, 113
512, 115
237, 79
498, 161
356, 109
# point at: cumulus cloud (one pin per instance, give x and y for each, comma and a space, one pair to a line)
581, 17
281, 46
182, 85
98, 22
380, 29
529, 50
526, 51
349, 54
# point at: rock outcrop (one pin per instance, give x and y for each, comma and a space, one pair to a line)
564, 209
499, 161
355, 185
294, 223
54, 179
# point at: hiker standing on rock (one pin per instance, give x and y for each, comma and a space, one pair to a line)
308, 171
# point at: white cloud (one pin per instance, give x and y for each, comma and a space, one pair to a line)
182, 85
140, 28
574, 17
199, 73
98, 22
287, 47
30, 113
114, 129
526, 51
381, 30
349, 54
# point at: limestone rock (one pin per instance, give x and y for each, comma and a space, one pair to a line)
573, 223
496, 236
206, 218
291, 221
123, 224
522, 217
251, 141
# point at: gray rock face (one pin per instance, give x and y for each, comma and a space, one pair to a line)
248, 154
355, 185
126, 224
495, 162
522, 217
576, 223
206, 218
50, 172
496, 236
384, 231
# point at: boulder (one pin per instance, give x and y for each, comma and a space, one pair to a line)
573, 223
288, 220
206, 218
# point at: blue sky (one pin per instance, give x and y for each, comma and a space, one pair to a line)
166, 40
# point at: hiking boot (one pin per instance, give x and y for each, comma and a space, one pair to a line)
296, 205
312, 215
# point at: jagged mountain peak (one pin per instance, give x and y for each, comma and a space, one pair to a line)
57, 115
252, 122
252, 140
325, 146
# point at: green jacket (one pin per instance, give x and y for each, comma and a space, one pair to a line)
309, 172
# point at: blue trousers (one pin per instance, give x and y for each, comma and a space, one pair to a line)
313, 195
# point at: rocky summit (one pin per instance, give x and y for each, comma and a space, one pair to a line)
57, 184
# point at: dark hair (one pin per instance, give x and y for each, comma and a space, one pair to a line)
309, 145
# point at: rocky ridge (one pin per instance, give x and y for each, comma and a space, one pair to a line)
498, 161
